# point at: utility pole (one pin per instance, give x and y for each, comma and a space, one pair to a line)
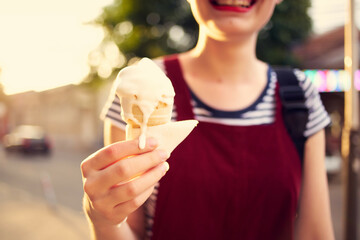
350, 137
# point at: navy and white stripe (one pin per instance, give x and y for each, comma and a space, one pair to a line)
318, 117
112, 111
259, 113
149, 209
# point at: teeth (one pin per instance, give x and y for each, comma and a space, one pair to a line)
242, 3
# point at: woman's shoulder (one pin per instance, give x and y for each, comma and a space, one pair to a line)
160, 63
294, 76
169, 57
166, 59
318, 117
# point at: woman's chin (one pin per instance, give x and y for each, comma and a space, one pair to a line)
224, 30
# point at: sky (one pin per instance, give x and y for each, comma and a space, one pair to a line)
45, 43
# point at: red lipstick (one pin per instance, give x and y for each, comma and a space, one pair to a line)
231, 8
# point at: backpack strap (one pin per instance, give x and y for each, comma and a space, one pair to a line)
295, 112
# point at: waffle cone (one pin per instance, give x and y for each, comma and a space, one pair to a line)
161, 114
169, 135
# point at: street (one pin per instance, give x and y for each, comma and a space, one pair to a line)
61, 169
40, 197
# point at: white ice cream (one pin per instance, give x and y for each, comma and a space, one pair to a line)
144, 85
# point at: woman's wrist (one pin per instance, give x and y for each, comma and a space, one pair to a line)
98, 221
113, 232
101, 224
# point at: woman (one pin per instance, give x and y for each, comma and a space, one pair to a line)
238, 175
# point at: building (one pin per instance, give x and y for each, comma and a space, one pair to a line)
69, 114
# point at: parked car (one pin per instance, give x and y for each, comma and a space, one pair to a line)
27, 139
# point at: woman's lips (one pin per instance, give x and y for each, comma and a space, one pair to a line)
233, 5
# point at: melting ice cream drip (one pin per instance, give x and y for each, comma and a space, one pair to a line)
144, 86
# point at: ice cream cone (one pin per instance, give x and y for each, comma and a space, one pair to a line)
146, 97
169, 135
133, 115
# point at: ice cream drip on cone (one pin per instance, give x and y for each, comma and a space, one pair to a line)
169, 135
147, 97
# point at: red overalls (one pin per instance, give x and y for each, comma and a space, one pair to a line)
228, 182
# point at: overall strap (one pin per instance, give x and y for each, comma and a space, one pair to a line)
295, 112
182, 100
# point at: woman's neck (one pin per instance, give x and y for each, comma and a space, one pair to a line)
226, 59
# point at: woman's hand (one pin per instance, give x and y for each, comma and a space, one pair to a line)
119, 178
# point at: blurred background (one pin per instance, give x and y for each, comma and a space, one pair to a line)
57, 63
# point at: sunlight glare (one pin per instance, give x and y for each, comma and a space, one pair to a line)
48, 46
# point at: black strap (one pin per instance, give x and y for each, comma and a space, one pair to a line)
295, 112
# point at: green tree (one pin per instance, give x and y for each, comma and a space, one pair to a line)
289, 26
149, 28
153, 28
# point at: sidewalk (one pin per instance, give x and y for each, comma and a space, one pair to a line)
23, 216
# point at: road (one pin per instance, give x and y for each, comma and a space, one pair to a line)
40, 196
30, 173
47, 191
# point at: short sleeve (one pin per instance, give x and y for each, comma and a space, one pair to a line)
318, 116
112, 111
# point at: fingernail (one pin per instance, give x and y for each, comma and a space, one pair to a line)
163, 154
152, 142
166, 167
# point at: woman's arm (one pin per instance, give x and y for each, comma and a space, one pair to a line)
106, 205
314, 221
112, 133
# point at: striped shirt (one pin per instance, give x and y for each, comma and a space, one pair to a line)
262, 111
